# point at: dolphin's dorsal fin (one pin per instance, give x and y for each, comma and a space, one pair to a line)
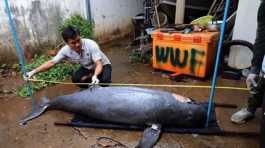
150, 136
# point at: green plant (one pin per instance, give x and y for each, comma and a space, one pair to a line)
59, 72
137, 56
85, 27
15, 67
3, 66
9, 67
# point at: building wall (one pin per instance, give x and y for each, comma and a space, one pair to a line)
37, 21
113, 17
245, 29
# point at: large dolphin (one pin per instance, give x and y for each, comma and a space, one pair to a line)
130, 105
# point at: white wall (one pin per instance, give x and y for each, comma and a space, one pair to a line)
246, 20
38, 19
245, 29
36, 22
113, 17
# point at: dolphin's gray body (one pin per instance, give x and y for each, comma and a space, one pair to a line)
128, 105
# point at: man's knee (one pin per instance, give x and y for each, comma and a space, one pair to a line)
81, 75
105, 79
76, 78
106, 74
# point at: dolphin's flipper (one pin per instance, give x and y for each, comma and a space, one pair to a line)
36, 112
150, 136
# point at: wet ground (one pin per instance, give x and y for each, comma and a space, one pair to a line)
42, 133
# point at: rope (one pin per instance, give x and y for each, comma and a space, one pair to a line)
19, 51
109, 142
144, 85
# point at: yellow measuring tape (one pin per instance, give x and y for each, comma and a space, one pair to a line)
145, 85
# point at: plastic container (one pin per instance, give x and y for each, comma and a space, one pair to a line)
191, 54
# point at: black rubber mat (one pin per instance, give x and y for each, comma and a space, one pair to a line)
81, 121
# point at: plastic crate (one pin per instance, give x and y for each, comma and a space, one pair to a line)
191, 54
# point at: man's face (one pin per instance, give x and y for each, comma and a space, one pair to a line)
75, 43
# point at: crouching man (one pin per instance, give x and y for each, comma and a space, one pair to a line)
95, 66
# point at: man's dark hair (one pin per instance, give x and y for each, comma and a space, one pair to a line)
70, 32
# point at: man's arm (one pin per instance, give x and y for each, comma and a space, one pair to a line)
98, 68
96, 57
45, 66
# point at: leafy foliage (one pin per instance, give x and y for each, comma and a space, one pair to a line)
85, 27
14, 67
137, 56
59, 72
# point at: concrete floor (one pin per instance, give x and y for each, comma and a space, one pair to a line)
42, 133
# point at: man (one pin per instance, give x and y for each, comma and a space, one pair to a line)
95, 66
254, 83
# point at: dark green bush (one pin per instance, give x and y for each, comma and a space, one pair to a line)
85, 27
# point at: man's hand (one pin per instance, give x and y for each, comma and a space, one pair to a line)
28, 75
251, 82
95, 79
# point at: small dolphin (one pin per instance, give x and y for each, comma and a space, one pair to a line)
130, 105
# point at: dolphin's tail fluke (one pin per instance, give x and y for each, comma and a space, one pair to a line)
36, 112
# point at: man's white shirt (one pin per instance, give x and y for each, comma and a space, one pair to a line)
90, 53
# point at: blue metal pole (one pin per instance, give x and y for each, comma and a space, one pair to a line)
15, 39
210, 100
19, 50
88, 10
